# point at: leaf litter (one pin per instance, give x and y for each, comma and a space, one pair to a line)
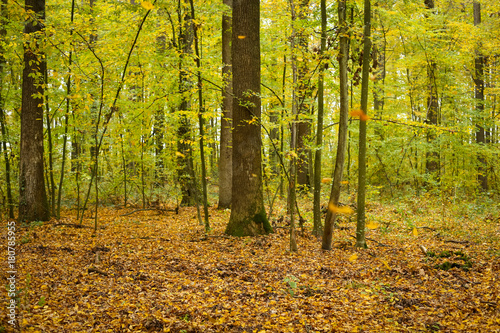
151, 272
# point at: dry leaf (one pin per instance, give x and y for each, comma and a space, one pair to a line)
372, 225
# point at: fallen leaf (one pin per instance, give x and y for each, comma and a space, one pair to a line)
372, 225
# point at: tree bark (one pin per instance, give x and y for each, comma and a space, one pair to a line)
343, 57
185, 160
225, 161
302, 91
319, 130
482, 177
248, 216
33, 205
360, 223
3, 118
432, 155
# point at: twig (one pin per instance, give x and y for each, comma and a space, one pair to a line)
95, 270
456, 242
428, 228
372, 240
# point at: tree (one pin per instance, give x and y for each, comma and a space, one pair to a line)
225, 161
331, 214
3, 118
184, 144
432, 155
319, 126
33, 203
248, 216
360, 223
479, 96
301, 89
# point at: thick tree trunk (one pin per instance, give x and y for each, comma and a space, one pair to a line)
248, 216
226, 154
331, 216
33, 203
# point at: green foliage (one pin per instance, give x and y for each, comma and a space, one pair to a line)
291, 281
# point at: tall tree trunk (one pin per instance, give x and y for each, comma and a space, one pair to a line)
319, 130
225, 161
52, 183
301, 90
66, 120
33, 203
482, 177
343, 57
360, 225
185, 169
432, 154
201, 121
159, 125
3, 118
248, 216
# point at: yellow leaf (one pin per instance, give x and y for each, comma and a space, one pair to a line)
385, 264
415, 232
242, 37
326, 180
344, 182
340, 210
353, 258
177, 153
147, 5
372, 225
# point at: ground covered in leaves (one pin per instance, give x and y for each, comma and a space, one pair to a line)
155, 271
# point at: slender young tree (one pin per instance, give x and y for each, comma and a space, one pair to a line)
225, 161
319, 126
33, 203
248, 216
201, 121
66, 119
185, 158
3, 118
361, 218
331, 215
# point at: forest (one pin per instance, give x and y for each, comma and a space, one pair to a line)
250, 165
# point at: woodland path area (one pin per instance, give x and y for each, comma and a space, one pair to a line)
155, 271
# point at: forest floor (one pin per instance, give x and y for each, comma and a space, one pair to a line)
154, 271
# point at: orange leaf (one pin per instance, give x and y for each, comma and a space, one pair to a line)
358, 113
